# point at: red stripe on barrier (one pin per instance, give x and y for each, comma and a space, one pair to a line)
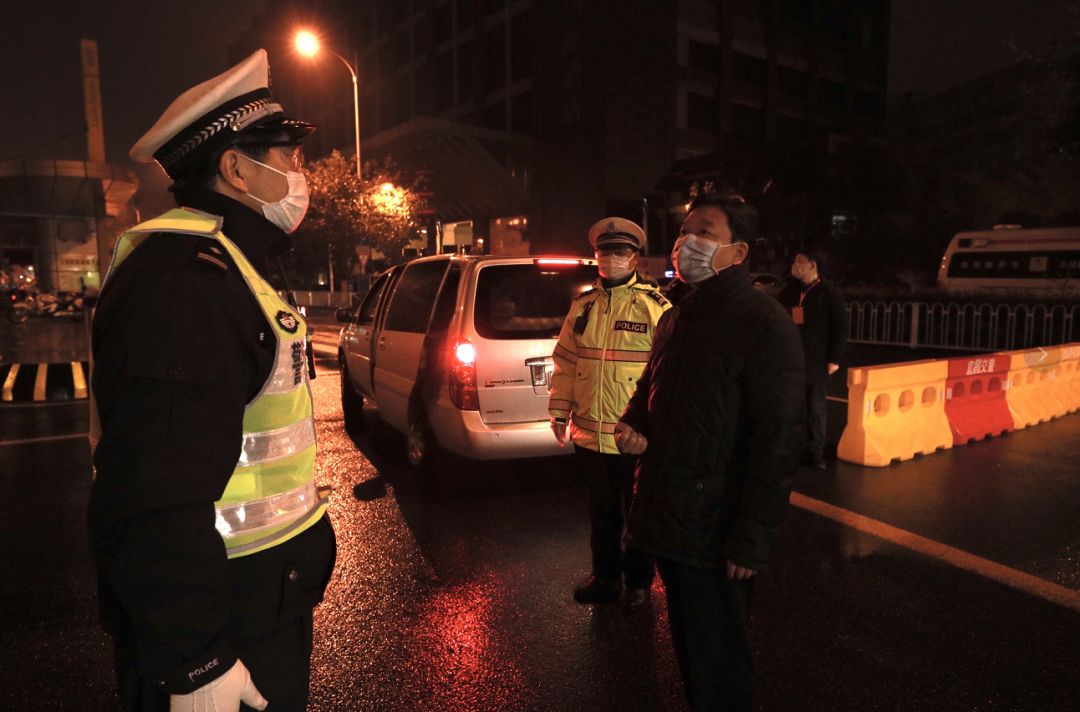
975, 397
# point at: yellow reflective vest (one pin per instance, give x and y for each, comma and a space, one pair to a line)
602, 350
271, 495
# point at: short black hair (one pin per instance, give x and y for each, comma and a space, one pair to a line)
200, 169
742, 216
815, 255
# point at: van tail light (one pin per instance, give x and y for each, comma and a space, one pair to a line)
463, 393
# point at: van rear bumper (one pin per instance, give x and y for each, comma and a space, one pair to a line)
463, 432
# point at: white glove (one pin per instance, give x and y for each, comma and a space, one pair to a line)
222, 695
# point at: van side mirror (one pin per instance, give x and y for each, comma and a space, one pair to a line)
344, 315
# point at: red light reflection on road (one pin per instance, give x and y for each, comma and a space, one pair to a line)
469, 664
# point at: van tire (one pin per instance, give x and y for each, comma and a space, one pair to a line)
421, 450
352, 403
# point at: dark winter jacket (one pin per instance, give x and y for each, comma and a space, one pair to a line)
721, 403
824, 328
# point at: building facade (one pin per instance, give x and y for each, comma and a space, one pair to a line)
531, 118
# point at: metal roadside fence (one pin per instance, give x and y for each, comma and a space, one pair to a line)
970, 326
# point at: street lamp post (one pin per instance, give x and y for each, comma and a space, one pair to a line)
307, 44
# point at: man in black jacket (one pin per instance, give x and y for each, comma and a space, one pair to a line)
717, 421
817, 308
211, 538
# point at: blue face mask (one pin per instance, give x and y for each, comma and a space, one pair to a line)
692, 257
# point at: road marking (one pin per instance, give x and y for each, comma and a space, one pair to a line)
1033, 585
9, 382
46, 439
39, 381
79, 379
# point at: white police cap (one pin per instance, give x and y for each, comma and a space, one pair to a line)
616, 232
214, 114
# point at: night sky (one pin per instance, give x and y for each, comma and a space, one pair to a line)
151, 51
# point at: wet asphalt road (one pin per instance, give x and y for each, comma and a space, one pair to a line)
453, 592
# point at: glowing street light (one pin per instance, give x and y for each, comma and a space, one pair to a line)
307, 45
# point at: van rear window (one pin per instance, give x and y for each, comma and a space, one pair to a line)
527, 301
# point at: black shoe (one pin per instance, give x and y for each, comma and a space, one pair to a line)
597, 590
635, 597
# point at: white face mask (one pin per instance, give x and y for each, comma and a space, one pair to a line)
288, 212
692, 258
613, 267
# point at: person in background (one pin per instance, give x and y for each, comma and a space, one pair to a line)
717, 421
817, 308
211, 536
602, 349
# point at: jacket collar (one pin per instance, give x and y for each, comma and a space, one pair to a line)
258, 238
637, 279
734, 280
600, 286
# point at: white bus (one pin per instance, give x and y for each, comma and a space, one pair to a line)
1009, 258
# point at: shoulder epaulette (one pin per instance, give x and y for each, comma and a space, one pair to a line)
657, 297
210, 253
587, 292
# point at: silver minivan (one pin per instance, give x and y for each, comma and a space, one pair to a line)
455, 352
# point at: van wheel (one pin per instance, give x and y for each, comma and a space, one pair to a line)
352, 403
420, 447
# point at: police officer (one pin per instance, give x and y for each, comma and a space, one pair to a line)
211, 537
602, 349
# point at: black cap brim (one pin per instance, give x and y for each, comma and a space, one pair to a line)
295, 129
616, 240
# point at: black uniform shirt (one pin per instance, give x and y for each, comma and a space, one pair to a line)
824, 327
180, 347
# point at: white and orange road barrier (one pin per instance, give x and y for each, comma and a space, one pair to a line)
896, 411
1033, 381
1070, 376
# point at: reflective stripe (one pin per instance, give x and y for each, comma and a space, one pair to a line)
560, 404
276, 536
590, 353
565, 353
613, 355
624, 355
254, 515
276, 444
593, 426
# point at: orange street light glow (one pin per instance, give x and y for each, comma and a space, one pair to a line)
307, 43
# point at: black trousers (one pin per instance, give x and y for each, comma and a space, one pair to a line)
815, 418
709, 617
278, 660
611, 490
270, 628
